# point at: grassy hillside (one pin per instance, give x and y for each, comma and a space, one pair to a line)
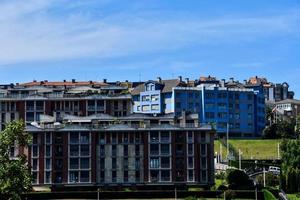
253, 149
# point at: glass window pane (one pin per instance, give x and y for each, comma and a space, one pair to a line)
74, 163
84, 150
84, 138
84, 176
74, 138
84, 163
74, 150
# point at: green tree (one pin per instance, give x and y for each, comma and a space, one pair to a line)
15, 177
238, 179
290, 167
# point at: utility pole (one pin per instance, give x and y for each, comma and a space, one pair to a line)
240, 158
264, 174
98, 194
175, 193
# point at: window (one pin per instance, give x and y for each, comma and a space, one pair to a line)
48, 163
154, 137
74, 138
137, 176
125, 150
209, 95
190, 175
84, 138
155, 107
165, 175
73, 176
165, 162
74, 150
145, 108
164, 137
154, 149
137, 150
222, 105
47, 177
154, 162
209, 115
84, 176
154, 97
34, 164
145, 98
249, 106
114, 176
125, 176
74, 163
203, 163
137, 163
125, 163
209, 105
190, 162
114, 163
114, 150
190, 149
165, 149
237, 116
84, 163
84, 150
203, 149
154, 175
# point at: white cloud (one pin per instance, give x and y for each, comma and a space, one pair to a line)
30, 32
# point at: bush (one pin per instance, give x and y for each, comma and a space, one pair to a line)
271, 180
229, 194
268, 195
238, 179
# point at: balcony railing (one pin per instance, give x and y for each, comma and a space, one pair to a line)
105, 126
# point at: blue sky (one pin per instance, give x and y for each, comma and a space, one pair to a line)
129, 39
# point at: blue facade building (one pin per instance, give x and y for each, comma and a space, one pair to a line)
240, 108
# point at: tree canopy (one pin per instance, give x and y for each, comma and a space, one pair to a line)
15, 176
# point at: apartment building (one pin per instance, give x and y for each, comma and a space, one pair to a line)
84, 133
273, 91
231, 105
136, 149
31, 100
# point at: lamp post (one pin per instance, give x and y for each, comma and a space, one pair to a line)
98, 193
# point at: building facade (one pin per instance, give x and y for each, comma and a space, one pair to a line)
230, 106
84, 133
137, 149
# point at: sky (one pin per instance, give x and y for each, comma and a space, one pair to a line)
145, 39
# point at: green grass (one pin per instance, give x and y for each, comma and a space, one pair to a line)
253, 149
293, 197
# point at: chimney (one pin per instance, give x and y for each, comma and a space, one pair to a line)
231, 80
17, 84
222, 82
245, 82
180, 78
73, 80
159, 79
187, 80
104, 80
